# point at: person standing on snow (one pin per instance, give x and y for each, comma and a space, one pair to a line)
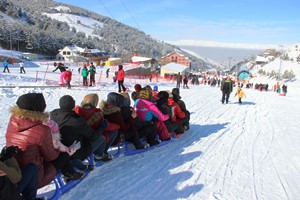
107, 73
226, 88
21, 64
240, 94
92, 72
179, 80
5, 65
67, 75
84, 74
120, 78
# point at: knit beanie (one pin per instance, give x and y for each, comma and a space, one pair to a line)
66, 102
163, 95
155, 88
144, 94
175, 92
32, 101
91, 99
137, 87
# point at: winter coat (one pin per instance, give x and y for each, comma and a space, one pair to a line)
226, 86
177, 99
27, 131
177, 113
121, 75
147, 111
113, 115
84, 72
181, 103
11, 169
162, 105
92, 70
67, 75
94, 117
74, 128
179, 78
5, 63
240, 93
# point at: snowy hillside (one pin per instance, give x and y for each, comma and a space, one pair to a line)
83, 24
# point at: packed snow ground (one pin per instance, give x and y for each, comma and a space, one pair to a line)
232, 151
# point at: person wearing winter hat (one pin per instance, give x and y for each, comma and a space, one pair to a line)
155, 92
181, 103
84, 74
94, 118
120, 78
67, 76
74, 128
26, 129
32, 102
137, 87
147, 111
118, 112
66, 102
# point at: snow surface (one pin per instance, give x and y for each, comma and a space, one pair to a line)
231, 152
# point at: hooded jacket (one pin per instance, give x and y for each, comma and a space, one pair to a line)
27, 131
146, 111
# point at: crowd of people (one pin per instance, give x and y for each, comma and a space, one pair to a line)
41, 144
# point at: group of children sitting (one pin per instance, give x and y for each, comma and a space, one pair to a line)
40, 144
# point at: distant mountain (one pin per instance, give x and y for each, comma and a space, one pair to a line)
49, 26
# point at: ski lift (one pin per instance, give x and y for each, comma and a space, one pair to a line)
29, 46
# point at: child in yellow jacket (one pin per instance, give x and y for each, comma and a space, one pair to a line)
240, 93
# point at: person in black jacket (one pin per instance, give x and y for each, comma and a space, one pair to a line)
74, 128
226, 88
179, 80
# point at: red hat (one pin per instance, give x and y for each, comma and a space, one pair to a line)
137, 87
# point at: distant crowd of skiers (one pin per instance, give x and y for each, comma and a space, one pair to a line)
41, 144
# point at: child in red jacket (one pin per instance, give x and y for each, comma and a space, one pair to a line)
67, 76
94, 118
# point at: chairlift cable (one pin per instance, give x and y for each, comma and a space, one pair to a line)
130, 14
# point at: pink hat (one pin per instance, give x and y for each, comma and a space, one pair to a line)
53, 125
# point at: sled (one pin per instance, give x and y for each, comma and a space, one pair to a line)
124, 147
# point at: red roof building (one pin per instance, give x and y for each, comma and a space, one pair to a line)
175, 58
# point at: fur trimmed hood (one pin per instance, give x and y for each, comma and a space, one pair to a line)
28, 114
108, 109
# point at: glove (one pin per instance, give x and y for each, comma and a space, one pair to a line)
74, 147
8, 152
104, 124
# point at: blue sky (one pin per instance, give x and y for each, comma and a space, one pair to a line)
235, 21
